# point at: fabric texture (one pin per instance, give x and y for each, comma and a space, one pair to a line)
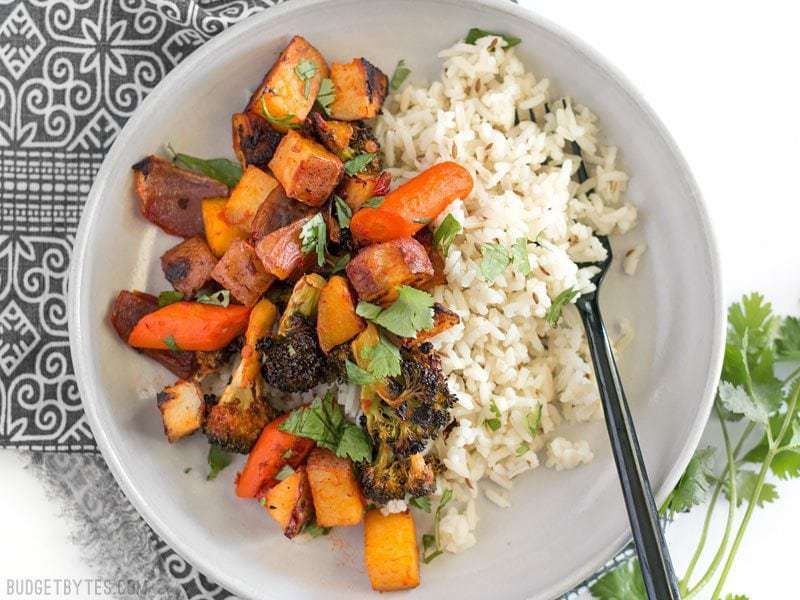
71, 73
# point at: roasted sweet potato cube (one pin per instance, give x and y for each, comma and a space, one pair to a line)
357, 189
182, 408
241, 271
281, 252
443, 319
360, 89
188, 265
337, 321
307, 171
219, 233
170, 197
378, 270
254, 141
285, 92
425, 237
253, 188
337, 497
391, 554
334, 135
290, 504
277, 211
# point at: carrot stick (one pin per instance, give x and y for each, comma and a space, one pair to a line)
189, 326
411, 206
274, 450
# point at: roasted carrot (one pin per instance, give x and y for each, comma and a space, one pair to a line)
411, 206
190, 326
274, 450
262, 318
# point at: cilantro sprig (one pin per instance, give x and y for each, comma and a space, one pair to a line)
431, 545
401, 72
218, 459
445, 234
221, 169
326, 95
314, 237
358, 163
410, 313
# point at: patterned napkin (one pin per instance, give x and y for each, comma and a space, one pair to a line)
71, 73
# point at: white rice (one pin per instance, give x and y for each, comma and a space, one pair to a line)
630, 263
504, 354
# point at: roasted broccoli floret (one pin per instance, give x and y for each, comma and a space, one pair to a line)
294, 362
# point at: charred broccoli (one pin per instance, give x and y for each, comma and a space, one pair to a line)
293, 361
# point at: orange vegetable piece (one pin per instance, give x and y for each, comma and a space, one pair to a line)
191, 326
408, 208
337, 497
289, 503
307, 170
219, 234
391, 554
262, 318
337, 321
251, 191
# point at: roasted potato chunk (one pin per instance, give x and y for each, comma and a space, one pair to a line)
241, 271
391, 554
425, 237
170, 197
277, 211
289, 503
357, 189
254, 141
281, 252
307, 171
182, 408
188, 265
334, 135
285, 92
443, 319
337, 497
378, 270
219, 233
360, 88
249, 194
337, 321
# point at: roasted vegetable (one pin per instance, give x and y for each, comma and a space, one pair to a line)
337, 321
127, 310
307, 171
334, 135
291, 85
277, 211
289, 503
303, 301
425, 237
254, 141
414, 204
443, 319
378, 270
262, 318
357, 189
189, 326
252, 190
274, 450
391, 554
360, 89
293, 361
170, 197
219, 234
182, 409
241, 271
337, 498
188, 265
281, 252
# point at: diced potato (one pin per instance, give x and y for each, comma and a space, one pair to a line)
337, 497
219, 234
281, 252
378, 270
277, 211
254, 141
253, 188
443, 319
241, 271
284, 91
360, 88
334, 135
289, 503
182, 408
307, 171
391, 554
425, 237
188, 265
171, 197
337, 321
357, 189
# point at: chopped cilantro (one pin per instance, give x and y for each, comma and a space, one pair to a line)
170, 343
474, 34
445, 234
313, 237
218, 459
421, 502
169, 297
495, 260
285, 472
401, 72
325, 95
289, 121
219, 298
359, 163
519, 256
305, 70
410, 313
343, 212
553, 313
223, 170
373, 202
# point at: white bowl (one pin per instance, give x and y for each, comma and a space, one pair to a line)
562, 526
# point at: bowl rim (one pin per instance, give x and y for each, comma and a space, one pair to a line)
82, 359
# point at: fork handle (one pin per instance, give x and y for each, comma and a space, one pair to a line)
657, 572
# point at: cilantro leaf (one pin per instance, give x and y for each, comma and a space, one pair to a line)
285, 471
357, 375
368, 310
169, 297
343, 212
745, 488
474, 34
693, 486
373, 202
314, 530
354, 444
170, 342
289, 121
787, 344
493, 424
326, 95
431, 540
421, 502
220, 298
223, 170
218, 459
494, 261
736, 400
410, 313
401, 71
624, 582
359, 163
305, 70
522, 449
313, 237
533, 424
553, 313
751, 323
519, 256
786, 464
445, 233
383, 359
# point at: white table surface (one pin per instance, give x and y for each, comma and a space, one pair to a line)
723, 76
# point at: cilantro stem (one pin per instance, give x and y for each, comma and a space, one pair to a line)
732, 501
791, 376
745, 434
